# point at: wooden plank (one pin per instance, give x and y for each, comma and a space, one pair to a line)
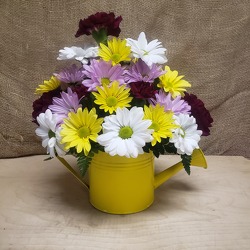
43, 207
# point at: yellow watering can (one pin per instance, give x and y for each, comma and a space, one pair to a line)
121, 185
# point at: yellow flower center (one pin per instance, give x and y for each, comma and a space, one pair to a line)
111, 101
125, 132
182, 132
116, 58
155, 126
83, 132
105, 81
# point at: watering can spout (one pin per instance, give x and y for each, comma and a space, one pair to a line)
198, 160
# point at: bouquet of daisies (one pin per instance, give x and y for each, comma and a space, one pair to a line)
118, 98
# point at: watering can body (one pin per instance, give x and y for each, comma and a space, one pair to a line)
121, 185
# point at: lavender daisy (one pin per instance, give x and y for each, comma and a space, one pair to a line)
100, 73
67, 103
71, 75
141, 72
176, 105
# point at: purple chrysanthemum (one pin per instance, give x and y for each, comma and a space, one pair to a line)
141, 72
177, 105
200, 113
67, 103
101, 72
71, 75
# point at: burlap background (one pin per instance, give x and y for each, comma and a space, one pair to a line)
207, 41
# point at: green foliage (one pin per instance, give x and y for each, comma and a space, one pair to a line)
100, 36
47, 159
186, 161
138, 102
170, 148
166, 147
161, 148
83, 163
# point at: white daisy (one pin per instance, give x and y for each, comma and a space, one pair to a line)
78, 53
150, 53
49, 133
126, 133
187, 136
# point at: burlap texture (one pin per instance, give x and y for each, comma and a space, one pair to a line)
207, 41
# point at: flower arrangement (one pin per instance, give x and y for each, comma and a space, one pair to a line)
119, 99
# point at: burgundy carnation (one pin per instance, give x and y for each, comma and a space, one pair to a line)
41, 105
143, 90
200, 113
100, 20
81, 90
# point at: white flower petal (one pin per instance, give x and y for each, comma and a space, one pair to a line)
51, 151
150, 53
132, 146
77, 53
42, 132
186, 137
103, 139
48, 121
45, 142
52, 142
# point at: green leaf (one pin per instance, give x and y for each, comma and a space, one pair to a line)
186, 161
146, 148
138, 102
83, 163
100, 36
156, 81
47, 159
156, 153
170, 148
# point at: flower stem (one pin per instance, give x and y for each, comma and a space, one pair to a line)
72, 171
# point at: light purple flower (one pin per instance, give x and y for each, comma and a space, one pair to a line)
141, 72
72, 74
101, 72
177, 105
67, 103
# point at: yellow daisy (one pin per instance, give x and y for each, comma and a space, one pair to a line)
162, 122
79, 128
116, 51
51, 84
111, 97
173, 83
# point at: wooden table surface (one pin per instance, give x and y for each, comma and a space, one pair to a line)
43, 207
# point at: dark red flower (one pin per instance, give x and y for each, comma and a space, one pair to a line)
41, 104
200, 113
142, 90
100, 21
81, 90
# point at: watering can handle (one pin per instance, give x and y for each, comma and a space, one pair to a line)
198, 160
72, 171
